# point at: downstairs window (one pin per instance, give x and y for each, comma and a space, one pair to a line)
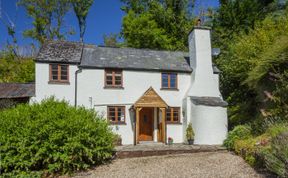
173, 115
116, 114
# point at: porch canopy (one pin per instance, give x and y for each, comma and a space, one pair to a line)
150, 99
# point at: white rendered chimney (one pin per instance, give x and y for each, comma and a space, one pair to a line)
200, 52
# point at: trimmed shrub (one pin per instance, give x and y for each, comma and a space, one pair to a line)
52, 137
276, 156
238, 133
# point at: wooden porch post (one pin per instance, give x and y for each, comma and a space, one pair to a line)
163, 125
137, 124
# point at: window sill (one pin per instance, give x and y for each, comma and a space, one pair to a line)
59, 82
117, 88
117, 123
170, 89
174, 123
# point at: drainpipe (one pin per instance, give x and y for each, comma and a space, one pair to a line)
76, 75
76, 84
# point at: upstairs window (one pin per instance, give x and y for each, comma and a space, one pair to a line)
169, 81
113, 78
173, 115
59, 73
116, 114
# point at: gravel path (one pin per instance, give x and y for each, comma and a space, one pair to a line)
196, 165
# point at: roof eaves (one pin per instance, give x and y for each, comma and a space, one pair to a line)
136, 69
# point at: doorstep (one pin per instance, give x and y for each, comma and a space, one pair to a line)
158, 149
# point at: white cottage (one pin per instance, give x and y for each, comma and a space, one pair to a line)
146, 95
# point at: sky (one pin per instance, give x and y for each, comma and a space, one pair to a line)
105, 17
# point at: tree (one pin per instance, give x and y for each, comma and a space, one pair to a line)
254, 71
12, 70
238, 16
48, 17
111, 40
159, 24
81, 9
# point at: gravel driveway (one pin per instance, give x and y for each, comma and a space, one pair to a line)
198, 165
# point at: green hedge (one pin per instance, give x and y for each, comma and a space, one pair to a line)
238, 133
52, 137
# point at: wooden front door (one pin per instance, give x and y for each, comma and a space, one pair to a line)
146, 124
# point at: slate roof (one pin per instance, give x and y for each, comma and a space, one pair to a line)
60, 51
17, 90
134, 59
209, 101
90, 56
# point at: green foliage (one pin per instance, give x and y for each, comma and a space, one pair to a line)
111, 40
277, 129
6, 103
254, 71
233, 17
157, 24
52, 137
240, 132
81, 9
247, 149
16, 70
190, 132
276, 157
47, 18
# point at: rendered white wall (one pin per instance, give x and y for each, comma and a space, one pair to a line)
135, 83
60, 91
209, 124
175, 131
126, 131
203, 83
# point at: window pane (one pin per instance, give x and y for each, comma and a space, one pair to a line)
54, 67
173, 79
172, 83
120, 115
165, 80
118, 73
64, 72
54, 75
64, 77
168, 115
112, 119
176, 115
109, 80
108, 72
111, 114
54, 72
118, 80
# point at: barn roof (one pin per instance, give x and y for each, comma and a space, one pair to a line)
17, 90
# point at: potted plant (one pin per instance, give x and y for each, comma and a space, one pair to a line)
170, 140
190, 134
